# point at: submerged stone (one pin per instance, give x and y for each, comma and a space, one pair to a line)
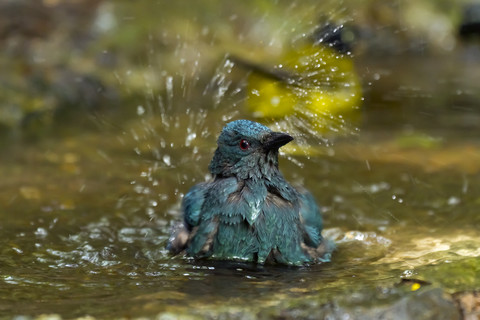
432, 304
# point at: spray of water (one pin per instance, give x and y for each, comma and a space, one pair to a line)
192, 90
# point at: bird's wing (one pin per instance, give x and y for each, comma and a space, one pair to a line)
311, 218
201, 239
203, 207
192, 205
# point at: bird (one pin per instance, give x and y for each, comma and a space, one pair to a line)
313, 80
248, 212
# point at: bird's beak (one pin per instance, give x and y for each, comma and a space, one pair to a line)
276, 139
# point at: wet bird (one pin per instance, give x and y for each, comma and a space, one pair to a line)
249, 212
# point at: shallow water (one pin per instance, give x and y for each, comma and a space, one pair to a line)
86, 213
85, 219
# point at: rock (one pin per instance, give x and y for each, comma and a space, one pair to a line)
431, 304
469, 304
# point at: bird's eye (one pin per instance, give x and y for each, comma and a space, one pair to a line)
244, 144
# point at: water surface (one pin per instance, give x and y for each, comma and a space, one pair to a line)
86, 212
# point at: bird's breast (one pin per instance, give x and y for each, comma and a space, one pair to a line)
254, 212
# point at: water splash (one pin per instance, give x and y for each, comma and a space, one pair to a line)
191, 93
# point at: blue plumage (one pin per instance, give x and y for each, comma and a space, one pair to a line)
249, 212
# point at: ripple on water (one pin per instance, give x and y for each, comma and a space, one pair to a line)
424, 250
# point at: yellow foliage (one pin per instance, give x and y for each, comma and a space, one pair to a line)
313, 82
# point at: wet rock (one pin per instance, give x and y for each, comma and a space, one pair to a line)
470, 26
468, 304
30, 19
425, 305
431, 304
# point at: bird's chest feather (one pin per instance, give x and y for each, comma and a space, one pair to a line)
259, 206
257, 221
253, 219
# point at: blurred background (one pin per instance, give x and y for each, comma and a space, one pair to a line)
109, 112
64, 61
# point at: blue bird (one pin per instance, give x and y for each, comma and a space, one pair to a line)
249, 212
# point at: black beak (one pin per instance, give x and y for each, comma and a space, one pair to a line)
275, 140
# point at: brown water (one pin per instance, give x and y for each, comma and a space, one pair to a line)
85, 213
85, 219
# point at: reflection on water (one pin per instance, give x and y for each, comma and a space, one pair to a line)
96, 234
86, 214
100, 239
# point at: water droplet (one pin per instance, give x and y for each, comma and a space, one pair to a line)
41, 232
150, 211
166, 159
17, 250
452, 201
190, 138
275, 101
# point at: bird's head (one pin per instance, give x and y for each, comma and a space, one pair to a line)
247, 149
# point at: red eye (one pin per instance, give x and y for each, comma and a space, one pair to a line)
244, 144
